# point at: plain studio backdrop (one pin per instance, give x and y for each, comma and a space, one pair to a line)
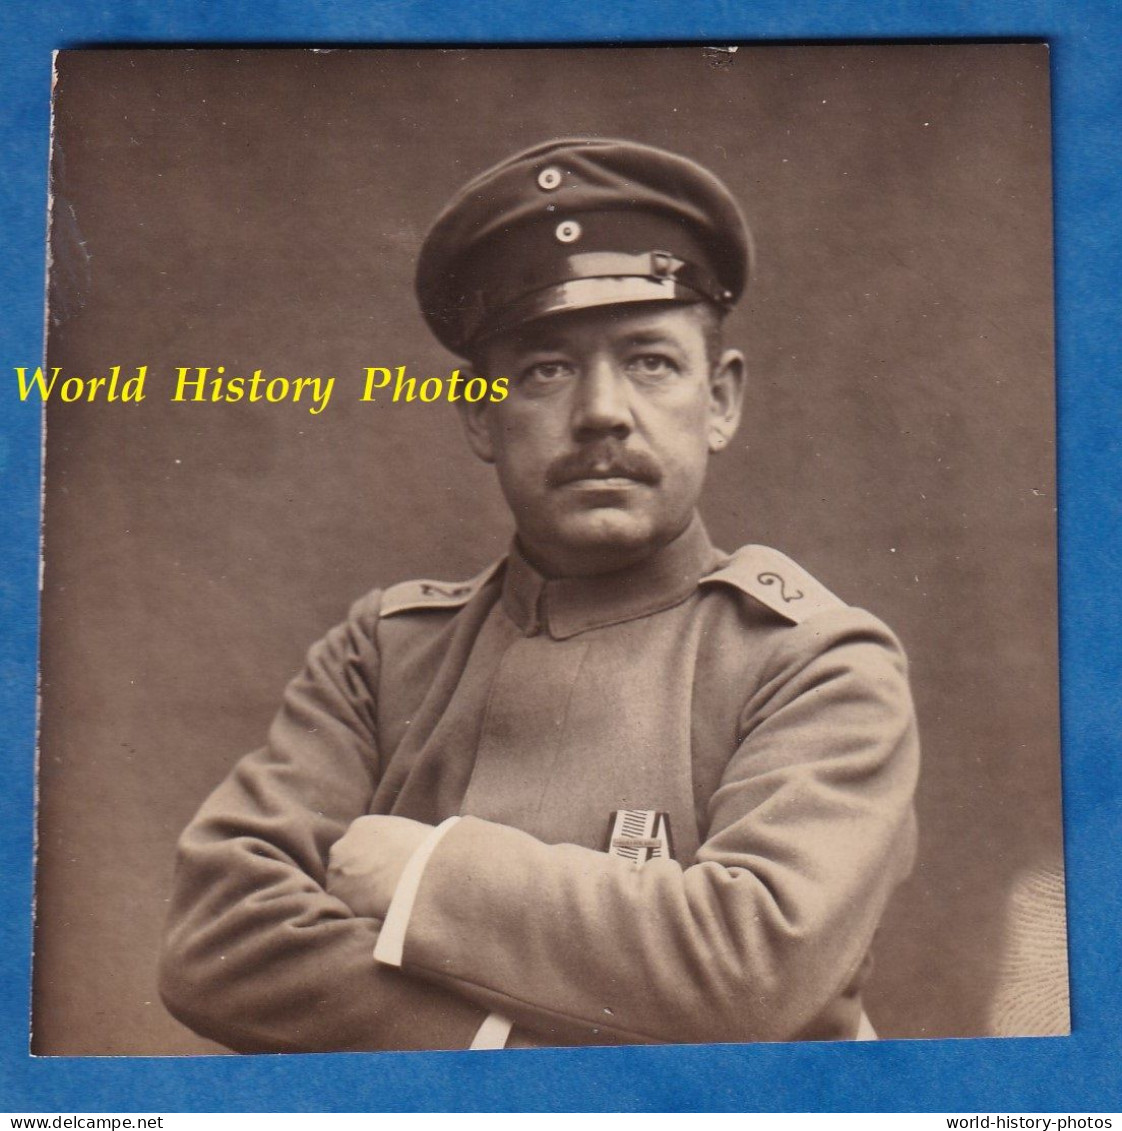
264, 210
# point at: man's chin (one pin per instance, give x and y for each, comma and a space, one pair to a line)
608, 526
597, 542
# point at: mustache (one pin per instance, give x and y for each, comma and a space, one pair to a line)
603, 461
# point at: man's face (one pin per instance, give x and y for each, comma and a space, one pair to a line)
602, 444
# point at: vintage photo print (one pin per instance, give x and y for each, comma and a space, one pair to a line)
548, 547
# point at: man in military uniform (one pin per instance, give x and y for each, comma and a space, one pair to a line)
621, 786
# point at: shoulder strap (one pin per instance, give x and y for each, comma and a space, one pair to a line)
409, 596
776, 581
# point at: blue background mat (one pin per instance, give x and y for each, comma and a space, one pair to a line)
1079, 1073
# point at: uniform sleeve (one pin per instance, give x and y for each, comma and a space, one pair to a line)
809, 831
257, 955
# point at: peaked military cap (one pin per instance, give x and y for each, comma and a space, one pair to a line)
578, 223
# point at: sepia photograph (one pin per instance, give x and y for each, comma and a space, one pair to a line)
548, 547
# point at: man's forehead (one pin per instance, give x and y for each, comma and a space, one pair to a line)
645, 324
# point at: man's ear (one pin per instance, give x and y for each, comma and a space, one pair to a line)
726, 398
476, 419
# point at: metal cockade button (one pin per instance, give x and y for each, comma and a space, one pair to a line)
568, 231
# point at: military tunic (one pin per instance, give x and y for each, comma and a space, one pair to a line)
771, 722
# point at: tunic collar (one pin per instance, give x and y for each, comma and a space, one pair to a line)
566, 606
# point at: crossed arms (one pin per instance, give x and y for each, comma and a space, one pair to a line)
808, 831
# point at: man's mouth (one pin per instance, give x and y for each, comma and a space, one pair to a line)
608, 476
619, 469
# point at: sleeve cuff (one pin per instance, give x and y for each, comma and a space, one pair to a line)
391, 939
493, 1033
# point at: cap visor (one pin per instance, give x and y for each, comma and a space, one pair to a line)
586, 294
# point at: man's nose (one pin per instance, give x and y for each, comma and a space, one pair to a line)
602, 406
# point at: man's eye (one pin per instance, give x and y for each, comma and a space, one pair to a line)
547, 372
651, 365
